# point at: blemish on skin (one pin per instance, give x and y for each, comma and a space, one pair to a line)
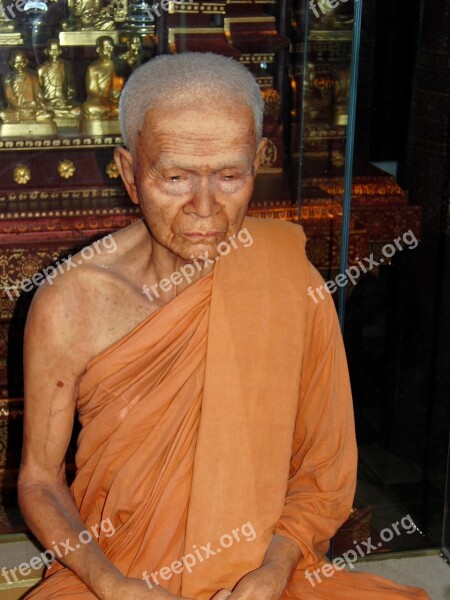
60, 384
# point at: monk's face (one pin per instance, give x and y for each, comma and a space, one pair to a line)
19, 62
194, 174
53, 51
105, 49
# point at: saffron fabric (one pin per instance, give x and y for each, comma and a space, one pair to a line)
230, 405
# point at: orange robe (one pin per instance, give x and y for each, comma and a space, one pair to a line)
230, 405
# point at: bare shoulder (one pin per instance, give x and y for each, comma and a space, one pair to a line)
72, 308
60, 312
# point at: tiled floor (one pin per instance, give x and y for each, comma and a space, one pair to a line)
430, 572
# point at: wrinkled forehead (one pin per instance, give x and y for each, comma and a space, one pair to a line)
197, 136
212, 119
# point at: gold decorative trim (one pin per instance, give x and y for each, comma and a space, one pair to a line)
11, 39
307, 213
91, 212
22, 174
85, 38
270, 155
268, 19
211, 8
66, 169
363, 189
265, 82
249, 58
62, 195
284, 214
111, 170
58, 144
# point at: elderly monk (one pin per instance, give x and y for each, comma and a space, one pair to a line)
217, 428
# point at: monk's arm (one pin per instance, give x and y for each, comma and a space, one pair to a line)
53, 366
55, 357
284, 554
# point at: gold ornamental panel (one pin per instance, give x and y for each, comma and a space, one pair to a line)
22, 174
270, 155
111, 170
66, 169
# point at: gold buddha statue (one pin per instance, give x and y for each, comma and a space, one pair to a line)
25, 112
58, 86
103, 86
88, 15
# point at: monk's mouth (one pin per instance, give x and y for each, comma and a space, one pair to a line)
207, 235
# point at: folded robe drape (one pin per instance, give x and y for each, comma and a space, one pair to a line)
228, 407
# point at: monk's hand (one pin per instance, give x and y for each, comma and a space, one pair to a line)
221, 595
129, 588
271, 579
266, 583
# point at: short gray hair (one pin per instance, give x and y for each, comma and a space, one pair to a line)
169, 78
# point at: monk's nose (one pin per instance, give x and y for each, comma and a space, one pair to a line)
203, 201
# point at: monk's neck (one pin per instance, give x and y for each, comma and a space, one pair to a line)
164, 264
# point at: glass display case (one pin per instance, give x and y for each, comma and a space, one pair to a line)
446, 528
63, 65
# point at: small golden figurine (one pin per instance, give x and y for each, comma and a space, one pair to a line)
58, 87
134, 54
132, 58
103, 86
88, 15
87, 20
25, 113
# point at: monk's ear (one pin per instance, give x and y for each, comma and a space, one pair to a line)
124, 162
259, 154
